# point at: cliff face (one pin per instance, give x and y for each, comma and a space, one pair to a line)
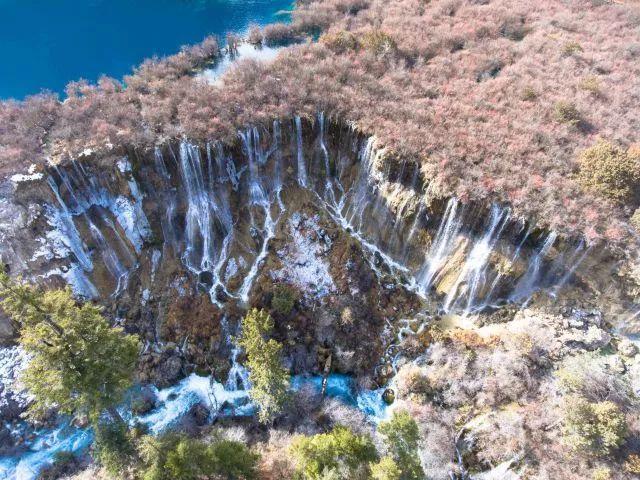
176, 242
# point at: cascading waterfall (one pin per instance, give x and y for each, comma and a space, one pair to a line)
97, 208
527, 285
260, 199
442, 246
473, 273
200, 242
238, 376
302, 167
204, 186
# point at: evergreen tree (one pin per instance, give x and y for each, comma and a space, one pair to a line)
401, 439
269, 380
386, 469
79, 363
340, 450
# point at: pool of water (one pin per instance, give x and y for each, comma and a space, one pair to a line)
46, 44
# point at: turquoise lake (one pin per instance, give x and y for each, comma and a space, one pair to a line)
44, 44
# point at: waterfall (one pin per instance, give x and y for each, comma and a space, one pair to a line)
473, 272
168, 198
377, 202
414, 227
528, 283
87, 196
302, 168
251, 145
238, 377
574, 262
499, 275
325, 155
62, 220
442, 246
199, 235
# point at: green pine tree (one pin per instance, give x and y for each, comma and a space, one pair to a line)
269, 380
79, 363
401, 439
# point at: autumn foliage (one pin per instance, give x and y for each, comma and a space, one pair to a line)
497, 99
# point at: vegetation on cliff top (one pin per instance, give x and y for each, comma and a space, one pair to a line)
496, 98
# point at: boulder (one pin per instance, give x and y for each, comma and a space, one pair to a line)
627, 348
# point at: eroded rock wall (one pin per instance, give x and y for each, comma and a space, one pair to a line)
178, 241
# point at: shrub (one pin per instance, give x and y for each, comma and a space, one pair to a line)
340, 42
590, 84
64, 463
385, 469
513, 28
529, 94
412, 382
339, 449
570, 48
283, 300
113, 448
351, 7
587, 375
175, 456
601, 473
632, 464
597, 428
378, 42
269, 380
277, 34
255, 35
609, 171
233, 42
401, 439
234, 460
566, 112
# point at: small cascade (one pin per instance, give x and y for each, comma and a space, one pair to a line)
168, 199
443, 245
251, 143
328, 189
238, 376
528, 283
62, 220
262, 200
474, 271
302, 167
414, 228
96, 207
200, 243
574, 262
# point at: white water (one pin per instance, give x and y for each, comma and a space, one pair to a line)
302, 167
528, 283
473, 272
442, 246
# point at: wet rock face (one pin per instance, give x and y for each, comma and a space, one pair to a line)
177, 242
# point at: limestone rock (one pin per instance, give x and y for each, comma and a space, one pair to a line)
627, 348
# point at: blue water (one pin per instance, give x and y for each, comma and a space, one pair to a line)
44, 44
175, 402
